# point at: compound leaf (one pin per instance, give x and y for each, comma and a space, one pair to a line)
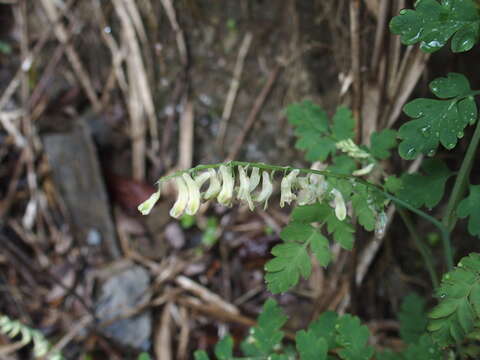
438, 121
433, 24
470, 207
353, 337
428, 189
413, 318
363, 207
459, 292
343, 124
324, 327
423, 349
266, 335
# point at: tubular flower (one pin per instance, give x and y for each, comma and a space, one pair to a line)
148, 204
182, 199
381, 225
254, 178
339, 204
244, 189
193, 195
200, 179
320, 184
226, 193
287, 195
214, 187
267, 189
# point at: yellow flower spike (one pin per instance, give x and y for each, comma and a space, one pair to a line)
214, 187
286, 196
254, 178
148, 204
182, 198
339, 204
193, 195
226, 193
267, 189
244, 189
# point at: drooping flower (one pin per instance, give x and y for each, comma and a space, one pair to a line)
214, 187
200, 179
226, 193
286, 195
244, 189
339, 204
254, 178
267, 189
193, 195
182, 198
321, 185
148, 204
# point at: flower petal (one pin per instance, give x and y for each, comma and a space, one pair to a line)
226, 194
267, 189
244, 189
286, 196
339, 204
214, 187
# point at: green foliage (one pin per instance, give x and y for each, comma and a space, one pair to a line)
224, 348
382, 142
413, 318
144, 356
438, 121
470, 207
432, 24
311, 347
425, 190
364, 209
315, 135
291, 258
353, 338
264, 337
459, 308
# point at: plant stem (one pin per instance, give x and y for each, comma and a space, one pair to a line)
445, 234
422, 248
461, 182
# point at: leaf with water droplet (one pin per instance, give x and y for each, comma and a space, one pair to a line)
470, 207
433, 24
438, 121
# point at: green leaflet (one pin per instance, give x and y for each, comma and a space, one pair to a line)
266, 335
419, 190
315, 136
470, 207
201, 355
438, 121
432, 24
224, 349
382, 142
423, 349
459, 307
353, 337
311, 347
412, 318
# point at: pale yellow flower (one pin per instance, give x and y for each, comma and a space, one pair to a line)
339, 204
267, 189
193, 195
214, 186
182, 198
148, 204
226, 193
286, 194
244, 189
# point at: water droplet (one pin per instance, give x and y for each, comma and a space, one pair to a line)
442, 296
460, 134
107, 29
411, 152
431, 152
434, 89
450, 146
403, 11
447, 276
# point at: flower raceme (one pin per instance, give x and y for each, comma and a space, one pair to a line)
253, 188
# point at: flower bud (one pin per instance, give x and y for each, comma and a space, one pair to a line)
226, 193
182, 198
286, 195
193, 195
267, 189
148, 204
339, 204
244, 189
214, 187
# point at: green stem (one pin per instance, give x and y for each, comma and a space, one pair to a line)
461, 182
422, 248
445, 234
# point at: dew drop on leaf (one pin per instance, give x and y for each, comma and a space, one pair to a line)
460, 134
411, 152
403, 12
431, 153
